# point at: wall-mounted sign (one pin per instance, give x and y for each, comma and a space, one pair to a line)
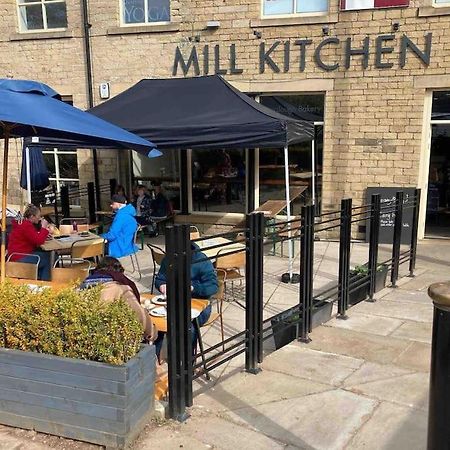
278, 56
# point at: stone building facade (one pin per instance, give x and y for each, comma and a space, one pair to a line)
377, 68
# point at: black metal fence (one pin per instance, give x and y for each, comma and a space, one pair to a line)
186, 364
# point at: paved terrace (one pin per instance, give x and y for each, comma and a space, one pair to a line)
360, 383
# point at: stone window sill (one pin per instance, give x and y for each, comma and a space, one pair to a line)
304, 20
429, 11
41, 35
164, 28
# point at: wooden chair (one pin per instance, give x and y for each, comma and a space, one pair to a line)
232, 265
158, 254
218, 300
68, 275
194, 233
22, 270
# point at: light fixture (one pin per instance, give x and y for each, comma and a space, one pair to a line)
395, 26
325, 31
212, 24
257, 34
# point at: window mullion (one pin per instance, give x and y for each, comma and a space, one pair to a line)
295, 7
146, 20
44, 15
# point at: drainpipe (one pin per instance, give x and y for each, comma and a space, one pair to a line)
88, 62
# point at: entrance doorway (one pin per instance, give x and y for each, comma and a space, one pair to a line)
438, 198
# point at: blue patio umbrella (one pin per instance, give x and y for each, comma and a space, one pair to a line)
29, 108
34, 174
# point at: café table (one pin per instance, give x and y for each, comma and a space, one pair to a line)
161, 322
64, 243
226, 246
37, 283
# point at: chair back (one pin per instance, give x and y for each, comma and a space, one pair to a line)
65, 229
66, 224
22, 270
158, 254
194, 233
88, 248
69, 275
231, 261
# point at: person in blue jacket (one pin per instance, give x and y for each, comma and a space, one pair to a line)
120, 236
204, 285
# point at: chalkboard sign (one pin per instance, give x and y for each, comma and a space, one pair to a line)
387, 220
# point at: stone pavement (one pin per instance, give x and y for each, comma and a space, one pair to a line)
360, 384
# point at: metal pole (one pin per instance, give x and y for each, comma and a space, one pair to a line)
250, 180
91, 201
288, 210
398, 226
65, 202
260, 221
313, 171
184, 183
344, 257
373, 244
4, 204
55, 194
439, 410
28, 169
414, 232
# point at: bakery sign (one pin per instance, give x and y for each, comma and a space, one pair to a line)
294, 55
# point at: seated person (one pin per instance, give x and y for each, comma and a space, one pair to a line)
143, 206
110, 274
120, 190
28, 233
120, 236
204, 284
160, 205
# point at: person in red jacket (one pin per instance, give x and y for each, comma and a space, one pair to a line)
27, 235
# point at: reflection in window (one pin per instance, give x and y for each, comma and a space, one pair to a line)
218, 180
271, 161
42, 14
165, 169
287, 7
145, 11
441, 105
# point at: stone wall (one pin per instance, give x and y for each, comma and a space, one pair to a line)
373, 120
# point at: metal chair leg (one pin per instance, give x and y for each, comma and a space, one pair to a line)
200, 344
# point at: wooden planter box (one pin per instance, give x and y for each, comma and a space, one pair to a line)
83, 400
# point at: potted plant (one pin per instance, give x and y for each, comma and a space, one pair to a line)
73, 366
360, 273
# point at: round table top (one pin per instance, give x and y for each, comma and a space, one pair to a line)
161, 322
440, 293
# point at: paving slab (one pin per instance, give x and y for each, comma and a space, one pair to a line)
419, 312
415, 331
321, 367
378, 349
382, 326
306, 425
402, 295
392, 427
252, 390
417, 357
369, 372
408, 390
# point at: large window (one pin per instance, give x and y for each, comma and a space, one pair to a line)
63, 168
441, 2
293, 7
36, 15
303, 176
145, 11
218, 180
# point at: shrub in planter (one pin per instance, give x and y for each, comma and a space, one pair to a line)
73, 366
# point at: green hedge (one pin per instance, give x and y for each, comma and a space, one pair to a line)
69, 323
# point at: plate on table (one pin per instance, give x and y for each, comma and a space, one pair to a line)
194, 313
158, 312
36, 288
159, 300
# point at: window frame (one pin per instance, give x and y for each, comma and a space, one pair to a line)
122, 22
58, 180
440, 5
20, 4
294, 14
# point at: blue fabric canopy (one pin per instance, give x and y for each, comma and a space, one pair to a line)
30, 109
38, 169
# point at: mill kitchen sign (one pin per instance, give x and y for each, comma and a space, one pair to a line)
278, 56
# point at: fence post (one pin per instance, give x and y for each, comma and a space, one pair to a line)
398, 225
252, 279
112, 186
259, 259
306, 271
344, 257
65, 202
179, 330
91, 202
373, 242
414, 232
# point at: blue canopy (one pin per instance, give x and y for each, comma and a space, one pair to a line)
29, 108
38, 169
